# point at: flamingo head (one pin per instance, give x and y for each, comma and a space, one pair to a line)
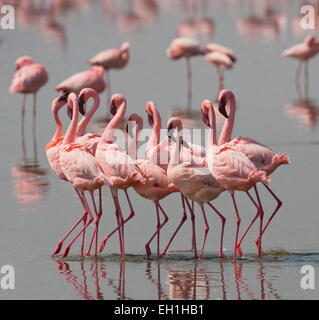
223, 97
137, 119
116, 101
59, 102
23, 61
206, 105
71, 99
310, 40
125, 47
150, 109
85, 95
174, 124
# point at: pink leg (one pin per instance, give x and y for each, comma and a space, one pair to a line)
223, 219
184, 218
147, 245
237, 226
297, 78
279, 204
67, 248
220, 79
83, 218
206, 231
189, 84
132, 214
191, 210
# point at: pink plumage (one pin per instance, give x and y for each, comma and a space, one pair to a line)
29, 77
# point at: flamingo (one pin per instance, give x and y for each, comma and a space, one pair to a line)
231, 168
117, 165
185, 48
29, 78
92, 78
111, 59
81, 169
262, 157
155, 186
196, 183
303, 52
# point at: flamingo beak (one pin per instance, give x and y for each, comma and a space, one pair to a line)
205, 120
150, 120
222, 107
81, 105
113, 109
70, 113
64, 97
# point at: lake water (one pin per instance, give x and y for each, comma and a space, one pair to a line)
37, 208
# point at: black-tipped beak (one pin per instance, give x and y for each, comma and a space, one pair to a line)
70, 113
222, 107
64, 97
150, 120
81, 105
113, 109
126, 128
206, 120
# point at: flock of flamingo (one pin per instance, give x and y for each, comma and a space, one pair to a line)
199, 174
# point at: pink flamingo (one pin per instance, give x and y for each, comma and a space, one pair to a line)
231, 168
303, 52
185, 48
53, 155
117, 165
155, 186
81, 169
92, 78
196, 183
28, 79
262, 157
216, 47
222, 61
111, 59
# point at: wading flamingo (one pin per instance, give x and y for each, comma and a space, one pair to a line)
185, 48
195, 183
29, 78
81, 169
222, 62
155, 187
231, 168
262, 157
53, 155
117, 165
92, 78
303, 52
111, 59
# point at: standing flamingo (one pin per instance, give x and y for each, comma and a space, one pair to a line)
80, 168
231, 168
111, 59
155, 187
196, 183
117, 165
303, 52
29, 78
262, 157
185, 48
92, 78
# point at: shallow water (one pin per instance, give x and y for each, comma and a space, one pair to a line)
37, 208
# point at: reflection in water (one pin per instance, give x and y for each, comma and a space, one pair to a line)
94, 279
305, 111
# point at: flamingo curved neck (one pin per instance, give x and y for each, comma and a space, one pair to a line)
132, 147
156, 132
226, 133
70, 133
59, 129
88, 116
212, 137
114, 123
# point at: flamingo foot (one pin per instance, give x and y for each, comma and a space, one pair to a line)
222, 256
148, 251
65, 252
257, 240
57, 248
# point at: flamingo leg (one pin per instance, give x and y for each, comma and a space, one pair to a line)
67, 248
24, 150
237, 225
297, 78
191, 210
220, 79
279, 204
34, 127
158, 209
206, 230
108, 90
223, 219
189, 84
83, 218
184, 218
306, 78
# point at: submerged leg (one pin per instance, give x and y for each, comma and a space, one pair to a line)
206, 230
